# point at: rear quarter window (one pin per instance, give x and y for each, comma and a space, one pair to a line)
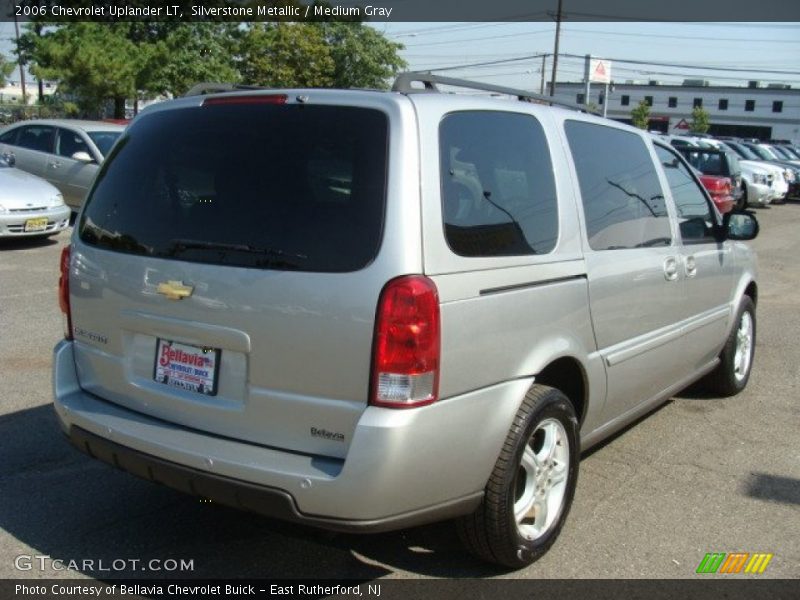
291, 187
497, 186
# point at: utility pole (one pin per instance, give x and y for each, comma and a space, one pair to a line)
555, 51
544, 68
19, 57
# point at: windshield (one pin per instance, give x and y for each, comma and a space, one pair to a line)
289, 187
761, 152
104, 140
781, 153
744, 152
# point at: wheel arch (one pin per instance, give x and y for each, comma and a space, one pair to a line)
568, 375
752, 291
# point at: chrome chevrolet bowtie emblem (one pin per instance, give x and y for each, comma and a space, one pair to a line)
175, 290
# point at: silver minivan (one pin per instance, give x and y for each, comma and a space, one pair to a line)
367, 310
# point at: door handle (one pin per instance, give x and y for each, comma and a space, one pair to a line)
55, 165
671, 268
691, 266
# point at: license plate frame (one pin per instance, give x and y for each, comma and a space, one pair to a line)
36, 224
187, 367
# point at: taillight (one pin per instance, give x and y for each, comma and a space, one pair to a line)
63, 291
247, 99
405, 364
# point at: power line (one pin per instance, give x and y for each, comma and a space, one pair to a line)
443, 29
486, 63
479, 39
679, 37
624, 61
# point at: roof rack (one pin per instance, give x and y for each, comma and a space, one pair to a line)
201, 89
403, 83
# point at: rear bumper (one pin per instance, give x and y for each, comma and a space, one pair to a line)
243, 495
403, 467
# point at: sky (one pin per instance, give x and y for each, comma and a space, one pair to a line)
754, 46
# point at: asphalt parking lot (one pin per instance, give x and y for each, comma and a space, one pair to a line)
698, 475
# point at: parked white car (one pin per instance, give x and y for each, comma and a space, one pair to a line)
29, 206
779, 186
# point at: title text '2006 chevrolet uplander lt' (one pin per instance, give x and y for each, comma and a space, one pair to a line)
368, 310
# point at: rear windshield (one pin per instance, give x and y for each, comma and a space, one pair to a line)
291, 187
706, 161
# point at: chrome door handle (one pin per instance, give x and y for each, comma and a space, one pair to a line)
671, 268
55, 165
691, 266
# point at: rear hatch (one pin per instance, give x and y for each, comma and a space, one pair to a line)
223, 273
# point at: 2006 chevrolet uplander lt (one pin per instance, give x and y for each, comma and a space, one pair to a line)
367, 310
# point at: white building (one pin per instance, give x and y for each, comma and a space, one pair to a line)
771, 112
11, 93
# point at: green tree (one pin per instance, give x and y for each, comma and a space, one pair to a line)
286, 55
5, 69
188, 54
362, 57
700, 122
640, 115
94, 62
318, 54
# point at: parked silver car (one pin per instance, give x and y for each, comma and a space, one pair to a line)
29, 206
369, 310
65, 152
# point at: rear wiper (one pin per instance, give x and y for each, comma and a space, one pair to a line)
278, 257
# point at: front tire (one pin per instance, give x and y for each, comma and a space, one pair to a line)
736, 359
530, 491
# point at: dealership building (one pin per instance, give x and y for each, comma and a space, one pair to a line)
753, 111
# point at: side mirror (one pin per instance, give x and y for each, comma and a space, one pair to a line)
740, 225
82, 156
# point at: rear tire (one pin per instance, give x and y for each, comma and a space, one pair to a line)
530, 491
743, 199
736, 359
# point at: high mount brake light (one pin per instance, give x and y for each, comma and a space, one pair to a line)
248, 99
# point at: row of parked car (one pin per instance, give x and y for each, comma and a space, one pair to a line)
46, 168
739, 172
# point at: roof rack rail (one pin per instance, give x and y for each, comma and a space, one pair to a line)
403, 83
201, 89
